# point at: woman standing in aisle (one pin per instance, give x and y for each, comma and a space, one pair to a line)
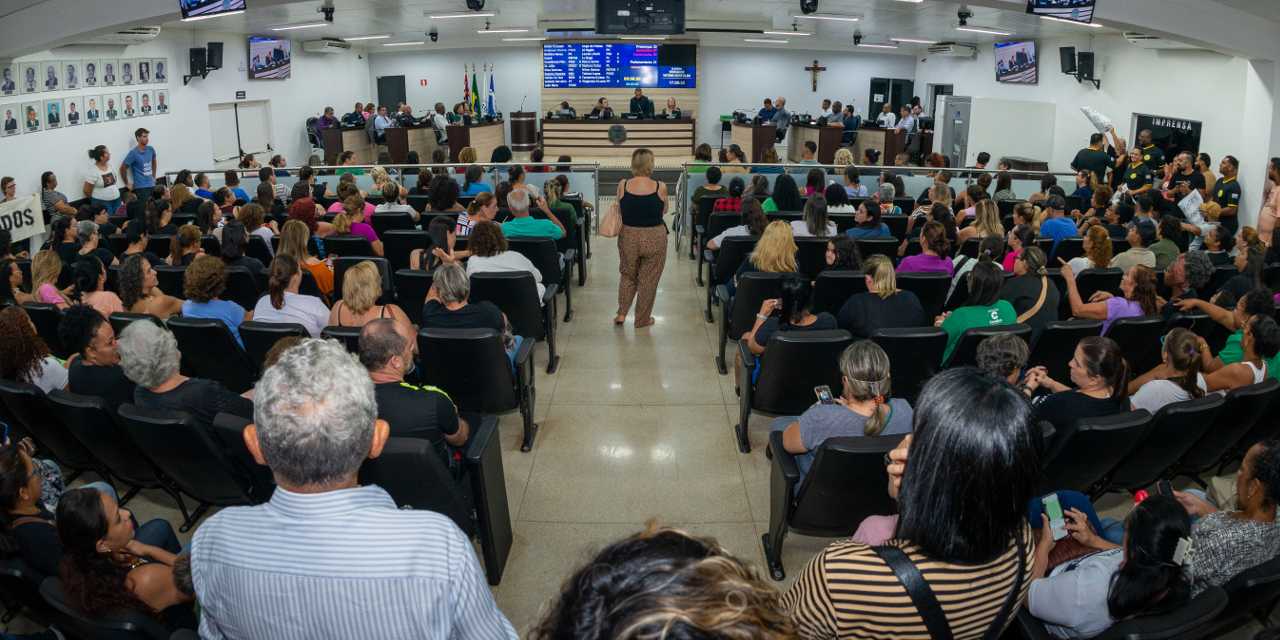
642, 248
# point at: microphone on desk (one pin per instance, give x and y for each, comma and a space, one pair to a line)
522, 102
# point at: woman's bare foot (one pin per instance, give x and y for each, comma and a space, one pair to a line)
620, 319
640, 324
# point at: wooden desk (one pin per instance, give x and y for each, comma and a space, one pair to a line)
337, 141
886, 141
1027, 164
402, 140
665, 138
754, 138
827, 138
484, 137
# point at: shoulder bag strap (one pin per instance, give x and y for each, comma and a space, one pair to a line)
13, 525
1044, 289
997, 625
921, 595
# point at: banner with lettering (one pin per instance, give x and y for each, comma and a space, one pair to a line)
22, 217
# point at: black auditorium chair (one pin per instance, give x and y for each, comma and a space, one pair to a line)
169, 279
929, 286
20, 586
159, 245
242, 288
1188, 622
1067, 249
1242, 409
121, 624
210, 347
717, 224
1220, 276
1265, 428
213, 247
469, 365
884, 246
1056, 345
1252, 591
965, 353
119, 242
792, 365
399, 244
1139, 340
915, 355
257, 248
1174, 429
556, 268
341, 264
897, 226
906, 203
1091, 281
348, 336
29, 406
1084, 454
831, 289
738, 313
349, 245
516, 295
46, 317
388, 220
230, 432
411, 471
412, 287
844, 221
723, 264
706, 208
811, 256
96, 427
968, 248
120, 320
1196, 321
190, 458
259, 337
844, 486
418, 202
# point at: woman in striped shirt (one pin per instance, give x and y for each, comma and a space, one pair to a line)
961, 495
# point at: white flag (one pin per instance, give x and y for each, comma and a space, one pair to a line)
22, 217
1100, 121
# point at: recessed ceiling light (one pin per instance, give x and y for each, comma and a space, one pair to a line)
300, 26
502, 31
878, 46
915, 1
1079, 24
814, 16
529, 39
352, 39
768, 40
469, 14
643, 37
401, 44
216, 15
981, 30
913, 41
787, 33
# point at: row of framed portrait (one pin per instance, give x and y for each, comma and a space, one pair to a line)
31, 117
24, 78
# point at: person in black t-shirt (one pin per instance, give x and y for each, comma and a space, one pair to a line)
1185, 178
1101, 378
427, 413
1093, 158
447, 307
1137, 177
1227, 193
1152, 156
95, 368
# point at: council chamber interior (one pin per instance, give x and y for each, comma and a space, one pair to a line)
615, 318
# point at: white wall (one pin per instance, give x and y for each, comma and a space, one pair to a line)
1020, 128
183, 139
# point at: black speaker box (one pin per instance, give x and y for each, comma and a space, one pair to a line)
214, 59
198, 67
1068, 56
1084, 65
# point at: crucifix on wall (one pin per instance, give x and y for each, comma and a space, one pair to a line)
816, 70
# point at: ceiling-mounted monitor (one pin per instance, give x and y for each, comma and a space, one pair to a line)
209, 8
1075, 10
269, 58
640, 17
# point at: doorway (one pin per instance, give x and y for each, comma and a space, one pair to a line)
935, 91
251, 124
391, 92
895, 92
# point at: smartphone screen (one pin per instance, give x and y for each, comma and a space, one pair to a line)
1165, 488
824, 394
1053, 509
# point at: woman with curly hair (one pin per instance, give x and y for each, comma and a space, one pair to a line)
309, 213
105, 567
202, 283
489, 254
95, 369
663, 582
293, 241
442, 195
1097, 250
25, 357
351, 222
139, 289
1183, 276
12, 294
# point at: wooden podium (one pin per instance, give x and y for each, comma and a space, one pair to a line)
886, 141
753, 138
484, 137
402, 140
524, 131
337, 141
827, 138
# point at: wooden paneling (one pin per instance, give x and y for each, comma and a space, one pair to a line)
620, 97
666, 138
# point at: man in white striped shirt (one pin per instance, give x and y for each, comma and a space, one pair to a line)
326, 558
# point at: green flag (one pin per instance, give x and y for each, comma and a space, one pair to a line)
475, 95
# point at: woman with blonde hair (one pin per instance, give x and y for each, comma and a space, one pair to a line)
883, 305
351, 222
381, 178
775, 252
361, 288
844, 157
46, 268
985, 223
293, 241
1097, 249
466, 156
1028, 214
642, 243
180, 196
184, 247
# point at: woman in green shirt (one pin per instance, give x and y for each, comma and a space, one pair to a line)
786, 197
713, 188
984, 308
701, 154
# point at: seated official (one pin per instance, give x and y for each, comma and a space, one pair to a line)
1101, 378
983, 308
26, 358
523, 225
966, 425
641, 104
863, 408
775, 252
89, 286
318, 424
202, 283
1178, 379
95, 368
150, 357
795, 307
883, 305
283, 304
361, 288
1259, 343
753, 222
601, 110
139, 288
1138, 286
426, 413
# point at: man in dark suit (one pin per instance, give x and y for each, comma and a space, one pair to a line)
641, 104
10, 123
111, 109
1021, 59
8, 84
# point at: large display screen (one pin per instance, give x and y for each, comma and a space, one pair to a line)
619, 65
1078, 10
268, 59
1016, 62
209, 8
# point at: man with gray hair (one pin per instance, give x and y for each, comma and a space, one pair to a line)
427, 413
327, 558
523, 225
87, 234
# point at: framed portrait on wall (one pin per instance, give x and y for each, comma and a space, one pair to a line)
10, 114
144, 71
74, 114
92, 71
9, 80
162, 101
130, 104
160, 70
110, 107
127, 78
50, 76
53, 114
92, 109
71, 74
32, 120
110, 72
145, 103
28, 82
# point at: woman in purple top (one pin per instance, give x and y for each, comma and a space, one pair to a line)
1138, 287
935, 252
351, 221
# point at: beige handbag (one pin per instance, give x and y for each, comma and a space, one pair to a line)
1044, 289
611, 223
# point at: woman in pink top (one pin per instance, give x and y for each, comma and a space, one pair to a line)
1271, 210
90, 287
351, 222
1021, 236
345, 191
46, 268
935, 252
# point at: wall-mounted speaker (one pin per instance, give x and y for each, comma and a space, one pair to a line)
214, 59
1084, 65
198, 66
1068, 56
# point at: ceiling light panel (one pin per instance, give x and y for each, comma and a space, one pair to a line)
829, 16
355, 38
309, 25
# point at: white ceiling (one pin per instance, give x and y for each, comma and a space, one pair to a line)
407, 21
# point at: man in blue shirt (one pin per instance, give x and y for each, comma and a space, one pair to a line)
141, 163
380, 124
907, 122
1056, 226
781, 118
766, 114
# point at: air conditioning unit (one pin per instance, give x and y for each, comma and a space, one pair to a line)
328, 45
136, 35
953, 50
1144, 41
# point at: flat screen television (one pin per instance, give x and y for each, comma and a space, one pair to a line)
619, 65
640, 17
1077, 10
268, 58
209, 8
1016, 62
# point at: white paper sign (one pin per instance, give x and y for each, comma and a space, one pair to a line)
1190, 206
22, 217
879, 98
